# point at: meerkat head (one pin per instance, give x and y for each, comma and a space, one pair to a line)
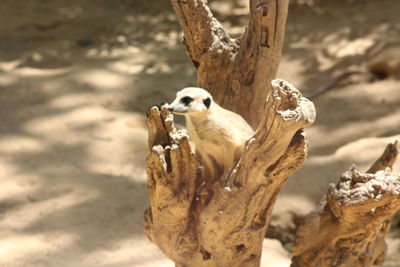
191, 100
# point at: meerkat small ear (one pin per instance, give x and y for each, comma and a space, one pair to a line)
207, 102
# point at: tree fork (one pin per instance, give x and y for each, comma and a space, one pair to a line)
199, 223
237, 72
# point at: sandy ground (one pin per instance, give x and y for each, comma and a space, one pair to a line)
76, 79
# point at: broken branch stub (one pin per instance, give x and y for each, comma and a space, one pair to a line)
387, 159
172, 176
350, 229
286, 112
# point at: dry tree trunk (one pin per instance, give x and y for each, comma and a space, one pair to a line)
196, 223
350, 229
222, 223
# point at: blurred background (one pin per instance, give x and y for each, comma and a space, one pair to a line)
76, 77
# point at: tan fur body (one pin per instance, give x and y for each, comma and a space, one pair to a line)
219, 136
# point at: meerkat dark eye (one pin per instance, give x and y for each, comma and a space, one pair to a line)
186, 100
207, 102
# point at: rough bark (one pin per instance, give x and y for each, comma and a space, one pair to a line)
237, 72
171, 182
224, 223
350, 229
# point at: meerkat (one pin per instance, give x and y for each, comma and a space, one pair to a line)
219, 135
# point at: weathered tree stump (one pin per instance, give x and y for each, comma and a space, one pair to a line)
198, 222
224, 223
350, 230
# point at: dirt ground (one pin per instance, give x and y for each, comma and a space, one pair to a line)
76, 77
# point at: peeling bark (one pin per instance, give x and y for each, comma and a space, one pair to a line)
223, 223
350, 229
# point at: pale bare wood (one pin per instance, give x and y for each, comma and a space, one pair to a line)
171, 182
350, 230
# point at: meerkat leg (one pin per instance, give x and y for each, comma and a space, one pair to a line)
238, 154
209, 167
226, 163
229, 159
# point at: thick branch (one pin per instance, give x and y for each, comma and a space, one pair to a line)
264, 35
202, 32
286, 113
257, 180
350, 229
258, 59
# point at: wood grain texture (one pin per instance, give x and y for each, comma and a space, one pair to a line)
197, 222
350, 230
223, 223
201, 222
